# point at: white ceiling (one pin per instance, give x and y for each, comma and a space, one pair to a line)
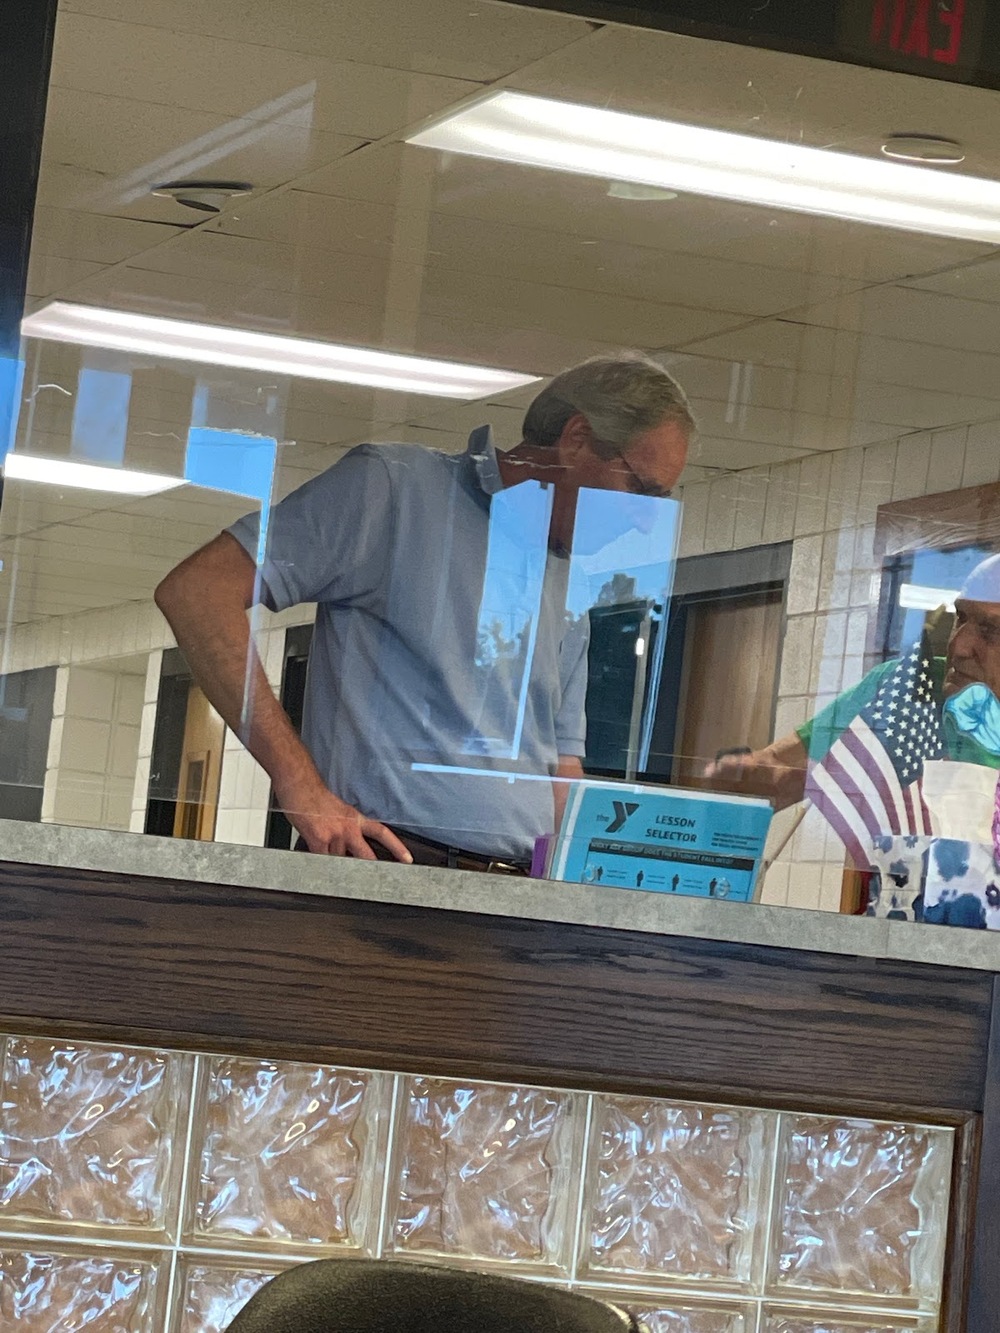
792, 334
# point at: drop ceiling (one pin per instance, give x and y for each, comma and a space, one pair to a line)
792, 334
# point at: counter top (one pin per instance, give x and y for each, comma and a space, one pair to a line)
493, 895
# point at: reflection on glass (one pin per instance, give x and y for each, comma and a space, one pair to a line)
88, 1133
285, 1153
862, 1208
509, 611
827, 1321
691, 1317
621, 570
361, 288
214, 1294
42, 1291
100, 415
675, 1189
483, 1172
286, 1162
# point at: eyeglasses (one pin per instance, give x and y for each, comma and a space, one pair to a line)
639, 485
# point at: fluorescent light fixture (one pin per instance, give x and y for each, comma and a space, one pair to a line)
272, 353
617, 146
85, 476
913, 597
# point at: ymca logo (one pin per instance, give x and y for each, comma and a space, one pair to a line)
623, 809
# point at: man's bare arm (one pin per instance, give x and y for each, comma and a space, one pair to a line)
778, 772
205, 600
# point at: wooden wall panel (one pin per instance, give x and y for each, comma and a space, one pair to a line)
212, 967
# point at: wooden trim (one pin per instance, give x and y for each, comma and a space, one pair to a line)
984, 1283
210, 967
947, 518
958, 1254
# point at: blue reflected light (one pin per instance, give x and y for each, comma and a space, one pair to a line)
232, 461
11, 388
624, 549
507, 629
100, 416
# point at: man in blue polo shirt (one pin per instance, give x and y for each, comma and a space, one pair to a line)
446, 680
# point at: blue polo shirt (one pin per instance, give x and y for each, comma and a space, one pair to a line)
445, 676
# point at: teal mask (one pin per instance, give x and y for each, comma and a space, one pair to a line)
976, 712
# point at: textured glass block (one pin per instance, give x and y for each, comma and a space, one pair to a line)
43, 1292
677, 1314
776, 1320
676, 1190
89, 1133
485, 1171
286, 1152
863, 1207
211, 1297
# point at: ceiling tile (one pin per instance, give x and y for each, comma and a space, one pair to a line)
232, 78
473, 250
446, 37
976, 282
736, 454
132, 146
102, 240
48, 273
922, 316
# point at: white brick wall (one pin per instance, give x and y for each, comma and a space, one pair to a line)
93, 746
826, 506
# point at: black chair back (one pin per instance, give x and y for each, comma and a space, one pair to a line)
382, 1296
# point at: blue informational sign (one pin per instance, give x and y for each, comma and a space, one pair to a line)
662, 840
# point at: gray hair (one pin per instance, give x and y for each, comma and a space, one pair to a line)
621, 397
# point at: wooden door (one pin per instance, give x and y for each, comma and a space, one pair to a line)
732, 651
201, 769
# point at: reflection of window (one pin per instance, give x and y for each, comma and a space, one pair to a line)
25, 720
292, 695
189, 816
624, 637
721, 659
902, 610
186, 764
926, 547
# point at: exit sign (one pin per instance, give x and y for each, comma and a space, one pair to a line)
935, 37
958, 40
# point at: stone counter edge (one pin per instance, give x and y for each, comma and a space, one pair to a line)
492, 895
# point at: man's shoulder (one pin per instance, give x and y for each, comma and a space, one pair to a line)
398, 458
391, 450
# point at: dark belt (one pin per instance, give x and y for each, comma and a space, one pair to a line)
427, 852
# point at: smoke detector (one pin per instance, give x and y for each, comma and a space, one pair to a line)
203, 196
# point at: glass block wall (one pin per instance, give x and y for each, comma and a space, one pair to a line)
146, 1191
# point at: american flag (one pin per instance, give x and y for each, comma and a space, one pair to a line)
869, 781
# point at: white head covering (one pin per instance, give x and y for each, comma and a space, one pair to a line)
983, 583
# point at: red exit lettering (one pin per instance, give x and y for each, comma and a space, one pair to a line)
926, 29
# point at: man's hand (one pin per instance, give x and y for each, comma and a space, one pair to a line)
778, 773
331, 827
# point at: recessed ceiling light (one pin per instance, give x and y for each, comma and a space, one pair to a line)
591, 141
86, 476
272, 353
630, 190
929, 148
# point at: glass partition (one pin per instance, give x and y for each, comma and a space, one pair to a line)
585, 434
